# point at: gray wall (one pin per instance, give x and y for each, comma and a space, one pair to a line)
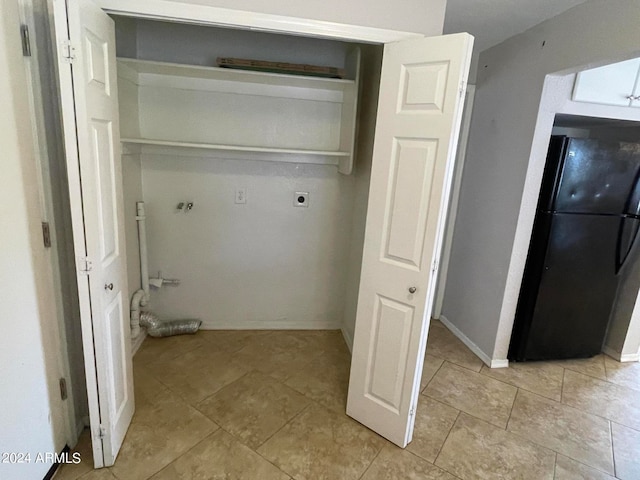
484, 277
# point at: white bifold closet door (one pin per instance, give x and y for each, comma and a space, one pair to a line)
85, 46
422, 91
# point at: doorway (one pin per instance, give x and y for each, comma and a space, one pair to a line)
559, 109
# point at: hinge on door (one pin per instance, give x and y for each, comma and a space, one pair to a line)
434, 267
84, 265
63, 388
68, 51
463, 88
46, 234
412, 412
26, 40
102, 432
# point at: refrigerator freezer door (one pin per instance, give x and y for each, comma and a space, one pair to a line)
577, 288
597, 177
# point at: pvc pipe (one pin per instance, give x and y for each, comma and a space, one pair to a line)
142, 241
136, 300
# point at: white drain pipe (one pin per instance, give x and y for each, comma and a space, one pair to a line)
155, 327
142, 240
141, 297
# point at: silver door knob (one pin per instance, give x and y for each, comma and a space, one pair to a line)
412, 289
108, 286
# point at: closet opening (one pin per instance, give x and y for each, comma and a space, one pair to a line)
221, 158
256, 190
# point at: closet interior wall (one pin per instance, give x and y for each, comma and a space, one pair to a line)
263, 263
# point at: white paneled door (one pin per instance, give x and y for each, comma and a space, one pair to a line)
419, 113
85, 38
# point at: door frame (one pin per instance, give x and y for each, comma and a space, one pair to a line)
64, 418
175, 12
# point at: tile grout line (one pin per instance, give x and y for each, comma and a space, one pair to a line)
255, 450
513, 404
435, 373
613, 450
564, 454
625, 426
521, 436
466, 412
414, 454
592, 413
371, 463
445, 441
580, 462
183, 453
306, 407
215, 393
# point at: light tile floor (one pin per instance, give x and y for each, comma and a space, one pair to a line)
270, 405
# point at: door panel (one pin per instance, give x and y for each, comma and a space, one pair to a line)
411, 168
419, 113
92, 140
392, 329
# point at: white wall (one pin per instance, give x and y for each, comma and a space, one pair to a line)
27, 403
368, 109
200, 45
263, 264
132, 193
505, 149
421, 16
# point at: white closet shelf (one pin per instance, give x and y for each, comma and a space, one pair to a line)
236, 148
147, 67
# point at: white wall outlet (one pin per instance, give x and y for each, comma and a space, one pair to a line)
301, 199
241, 195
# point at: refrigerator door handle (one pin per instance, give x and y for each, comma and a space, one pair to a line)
622, 252
632, 203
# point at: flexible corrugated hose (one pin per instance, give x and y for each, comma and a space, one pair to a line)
167, 328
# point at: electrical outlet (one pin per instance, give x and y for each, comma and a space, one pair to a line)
241, 195
301, 199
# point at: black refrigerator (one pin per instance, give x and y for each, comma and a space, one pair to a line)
585, 230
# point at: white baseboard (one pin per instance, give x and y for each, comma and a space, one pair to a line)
348, 339
499, 363
283, 324
623, 358
136, 343
491, 363
630, 357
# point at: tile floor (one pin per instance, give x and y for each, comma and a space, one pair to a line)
270, 405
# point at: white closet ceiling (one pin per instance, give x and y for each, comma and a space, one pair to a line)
493, 21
